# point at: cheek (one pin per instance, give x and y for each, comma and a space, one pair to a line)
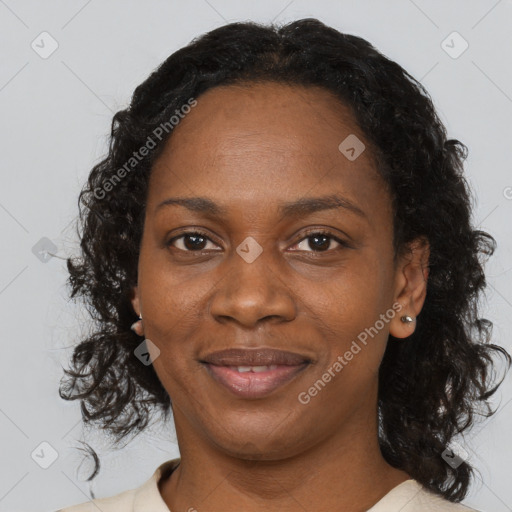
178, 378
174, 316
174, 298
351, 299
347, 377
349, 313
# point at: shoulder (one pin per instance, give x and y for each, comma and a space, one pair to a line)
411, 496
132, 500
122, 501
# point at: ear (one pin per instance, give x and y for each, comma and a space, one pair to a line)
135, 300
411, 277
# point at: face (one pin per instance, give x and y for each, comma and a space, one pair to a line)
260, 265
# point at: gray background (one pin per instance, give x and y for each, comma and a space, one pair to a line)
56, 114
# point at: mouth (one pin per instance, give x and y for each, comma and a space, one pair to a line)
254, 373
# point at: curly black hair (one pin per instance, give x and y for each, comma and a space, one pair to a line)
431, 387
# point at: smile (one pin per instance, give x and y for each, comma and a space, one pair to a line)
254, 381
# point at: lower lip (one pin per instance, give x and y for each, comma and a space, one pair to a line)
253, 384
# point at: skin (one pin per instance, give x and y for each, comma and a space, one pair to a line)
248, 149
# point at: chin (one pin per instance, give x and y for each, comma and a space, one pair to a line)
263, 444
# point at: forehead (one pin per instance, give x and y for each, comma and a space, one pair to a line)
261, 143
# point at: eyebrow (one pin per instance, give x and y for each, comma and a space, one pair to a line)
298, 208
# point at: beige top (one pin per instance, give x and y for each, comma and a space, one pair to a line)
409, 496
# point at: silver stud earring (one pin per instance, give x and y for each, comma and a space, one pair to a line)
407, 319
136, 327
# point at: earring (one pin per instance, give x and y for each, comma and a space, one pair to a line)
407, 319
136, 327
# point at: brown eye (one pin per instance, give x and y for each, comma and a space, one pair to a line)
191, 241
320, 241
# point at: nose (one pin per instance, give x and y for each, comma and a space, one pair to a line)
249, 293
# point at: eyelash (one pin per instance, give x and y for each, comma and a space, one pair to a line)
308, 234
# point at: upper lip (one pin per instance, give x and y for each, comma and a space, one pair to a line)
254, 357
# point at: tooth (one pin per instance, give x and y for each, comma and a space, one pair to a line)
259, 368
243, 369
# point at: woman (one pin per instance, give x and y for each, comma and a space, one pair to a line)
284, 218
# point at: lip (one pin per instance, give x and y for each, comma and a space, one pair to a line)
222, 367
254, 384
254, 357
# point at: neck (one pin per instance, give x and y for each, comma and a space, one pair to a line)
346, 472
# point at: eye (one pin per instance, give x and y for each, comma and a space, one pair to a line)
191, 241
320, 241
